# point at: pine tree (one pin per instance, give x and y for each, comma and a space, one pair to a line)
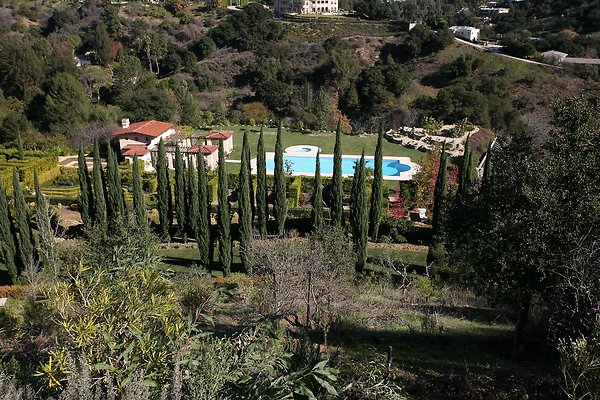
244, 207
8, 250
224, 216
467, 171
139, 203
163, 192
377, 191
279, 189
337, 206
46, 239
180, 195
100, 212
26, 246
204, 223
317, 205
437, 250
359, 215
115, 204
86, 197
262, 207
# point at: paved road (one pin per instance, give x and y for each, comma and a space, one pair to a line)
483, 48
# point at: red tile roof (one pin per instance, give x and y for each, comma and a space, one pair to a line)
206, 149
134, 149
220, 135
147, 128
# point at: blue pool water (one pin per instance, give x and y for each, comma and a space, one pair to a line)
306, 165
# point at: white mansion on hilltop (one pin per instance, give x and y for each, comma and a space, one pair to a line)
141, 139
305, 6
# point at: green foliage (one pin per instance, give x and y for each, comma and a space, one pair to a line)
376, 210
163, 192
8, 248
139, 202
66, 105
244, 207
115, 201
337, 211
437, 251
203, 221
279, 187
100, 211
180, 195
86, 198
224, 216
317, 202
359, 215
262, 210
26, 244
247, 30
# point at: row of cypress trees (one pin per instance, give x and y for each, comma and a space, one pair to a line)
19, 248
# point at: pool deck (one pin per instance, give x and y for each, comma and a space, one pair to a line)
404, 176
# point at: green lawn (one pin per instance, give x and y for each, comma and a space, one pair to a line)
324, 140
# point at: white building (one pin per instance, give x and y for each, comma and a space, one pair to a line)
305, 6
466, 32
553, 56
141, 139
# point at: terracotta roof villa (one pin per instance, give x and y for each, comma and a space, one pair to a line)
141, 139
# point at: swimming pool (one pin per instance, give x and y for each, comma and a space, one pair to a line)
394, 168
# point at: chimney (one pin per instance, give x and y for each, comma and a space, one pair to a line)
125, 123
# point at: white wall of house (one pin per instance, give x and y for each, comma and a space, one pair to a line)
129, 139
227, 144
467, 33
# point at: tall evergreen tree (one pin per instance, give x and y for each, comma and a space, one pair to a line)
115, 200
20, 151
139, 203
317, 205
377, 190
359, 215
26, 245
245, 144
224, 216
244, 207
262, 207
100, 212
193, 202
204, 223
487, 169
163, 192
8, 250
437, 250
467, 172
180, 195
279, 189
337, 205
86, 196
46, 239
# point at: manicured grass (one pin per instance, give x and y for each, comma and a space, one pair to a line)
324, 140
405, 256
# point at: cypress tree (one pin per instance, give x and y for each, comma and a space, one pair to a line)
245, 144
163, 192
317, 205
204, 223
244, 207
377, 190
100, 213
359, 215
26, 245
8, 250
42, 217
20, 150
139, 203
193, 202
224, 216
180, 194
487, 168
437, 250
337, 205
115, 201
262, 207
279, 189
466, 179
86, 197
